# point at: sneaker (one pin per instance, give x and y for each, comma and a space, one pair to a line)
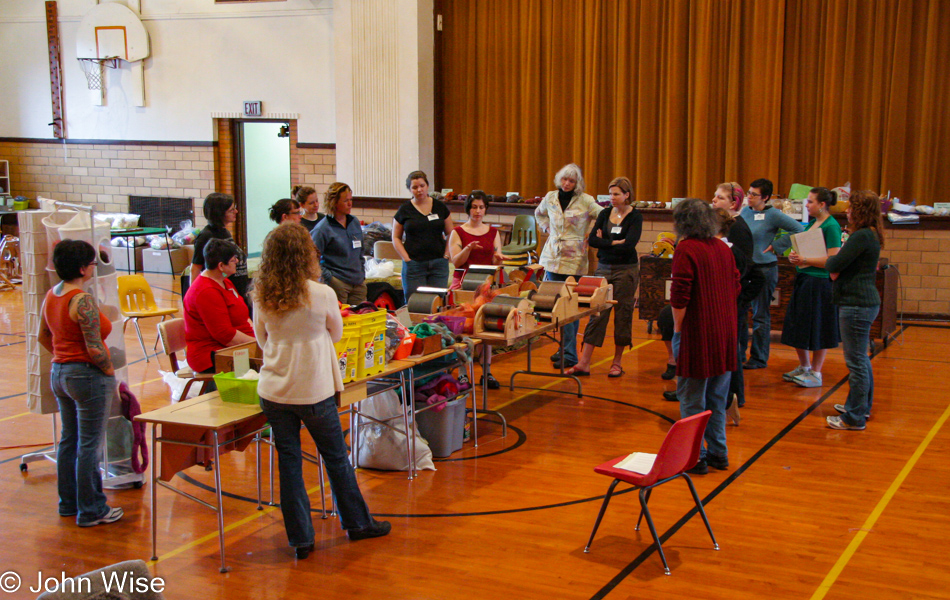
302, 552
752, 365
669, 373
377, 529
113, 515
717, 462
839, 423
791, 375
493, 383
670, 397
841, 409
701, 468
556, 357
811, 379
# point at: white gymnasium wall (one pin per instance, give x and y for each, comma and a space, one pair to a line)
205, 59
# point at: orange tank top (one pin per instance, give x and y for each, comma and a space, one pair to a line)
69, 345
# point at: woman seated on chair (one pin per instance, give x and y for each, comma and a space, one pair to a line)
215, 314
297, 322
74, 330
474, 242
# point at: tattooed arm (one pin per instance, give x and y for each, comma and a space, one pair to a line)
87, 314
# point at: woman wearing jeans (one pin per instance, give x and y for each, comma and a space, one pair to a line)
427, 224
703, 295
566, 214
854, 271
296, 321
74, 330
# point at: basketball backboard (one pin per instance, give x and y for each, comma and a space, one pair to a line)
112, 30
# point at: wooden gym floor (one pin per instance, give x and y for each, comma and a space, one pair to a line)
803, 511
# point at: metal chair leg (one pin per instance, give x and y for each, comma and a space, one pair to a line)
640, 518
702, 511
600, 515
138, 331
656, 538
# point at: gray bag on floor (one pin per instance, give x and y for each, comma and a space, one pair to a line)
384, 448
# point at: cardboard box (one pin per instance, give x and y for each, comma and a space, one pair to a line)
156, 261
120, 257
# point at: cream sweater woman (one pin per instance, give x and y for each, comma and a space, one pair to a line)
301, 341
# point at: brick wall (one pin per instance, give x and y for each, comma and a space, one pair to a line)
923, 260
105, 175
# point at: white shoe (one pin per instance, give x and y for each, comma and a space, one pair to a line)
811, 379
799, 370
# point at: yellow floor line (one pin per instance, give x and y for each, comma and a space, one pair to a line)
22, 414
876, 513
149, 381
557, 381
256, 515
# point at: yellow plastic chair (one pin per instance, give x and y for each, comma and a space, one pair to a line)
136, 301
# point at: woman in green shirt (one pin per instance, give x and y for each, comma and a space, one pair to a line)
811, 322
853, 273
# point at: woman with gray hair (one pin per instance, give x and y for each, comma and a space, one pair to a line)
703, 295
566, 214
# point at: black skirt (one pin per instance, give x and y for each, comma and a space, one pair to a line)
811, 319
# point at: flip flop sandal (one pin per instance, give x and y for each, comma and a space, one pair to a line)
576, 372
615, 371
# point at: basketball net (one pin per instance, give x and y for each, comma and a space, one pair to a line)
92, 67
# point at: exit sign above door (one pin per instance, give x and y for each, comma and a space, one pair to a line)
253, 109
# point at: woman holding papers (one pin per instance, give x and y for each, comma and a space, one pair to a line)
297, 320
853, 272
811, 323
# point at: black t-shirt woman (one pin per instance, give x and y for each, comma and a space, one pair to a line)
220, 211
426, 225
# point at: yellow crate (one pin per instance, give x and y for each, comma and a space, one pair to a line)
346, 352
372, 346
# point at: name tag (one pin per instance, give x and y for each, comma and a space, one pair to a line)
615, 230
759, 217
433, 217
570, 213
357, 243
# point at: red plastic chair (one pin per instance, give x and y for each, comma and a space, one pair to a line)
680, 451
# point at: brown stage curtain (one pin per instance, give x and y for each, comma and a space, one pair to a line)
680, 95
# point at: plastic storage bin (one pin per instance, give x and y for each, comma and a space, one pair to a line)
371, 357
443, 429
346, 352
239, 391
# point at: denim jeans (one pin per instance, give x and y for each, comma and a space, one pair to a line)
84, 394
697, 395
762, 318
323, 423
855, 325
569, 331
418, 273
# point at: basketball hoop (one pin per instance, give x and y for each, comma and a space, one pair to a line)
92, 67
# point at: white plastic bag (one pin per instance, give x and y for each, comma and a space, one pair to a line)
379, 268
177, 384
384, 448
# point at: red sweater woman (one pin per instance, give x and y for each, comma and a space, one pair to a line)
215, 314
703, 296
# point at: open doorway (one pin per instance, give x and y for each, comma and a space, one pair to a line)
263, 176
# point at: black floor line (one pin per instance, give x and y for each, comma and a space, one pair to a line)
626, 571
12, 344
13, 396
